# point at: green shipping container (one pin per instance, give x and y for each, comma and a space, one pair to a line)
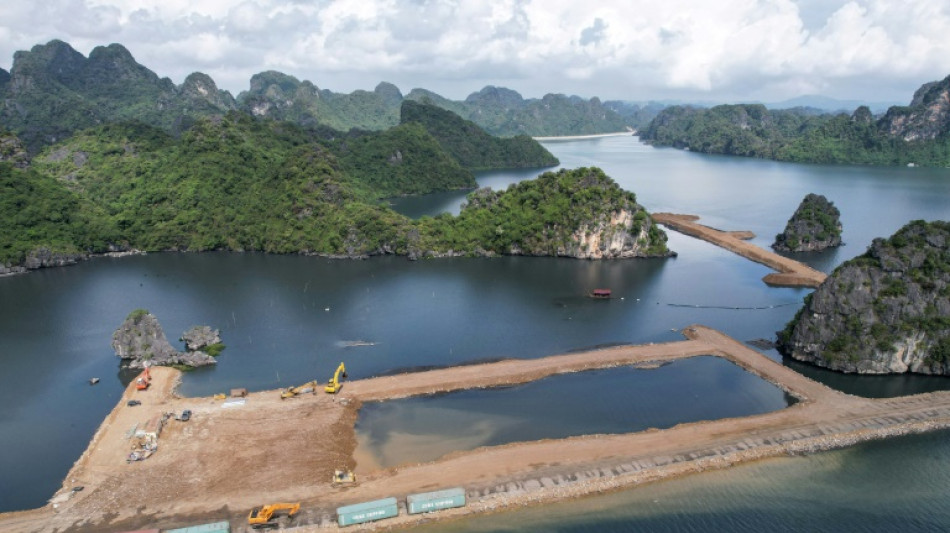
215, 527
433, 501
366, 512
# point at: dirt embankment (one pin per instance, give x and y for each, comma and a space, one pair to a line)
228, 459
791, 273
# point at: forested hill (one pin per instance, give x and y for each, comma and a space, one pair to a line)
497, 110
471, 145
886, 311
238, 183
917, 134
52, 91
579, 213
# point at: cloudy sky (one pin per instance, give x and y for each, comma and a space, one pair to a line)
713, 50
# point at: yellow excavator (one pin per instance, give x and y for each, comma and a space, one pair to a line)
334, 385
264, 516
310, 386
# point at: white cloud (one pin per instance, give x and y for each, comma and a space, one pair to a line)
730, 49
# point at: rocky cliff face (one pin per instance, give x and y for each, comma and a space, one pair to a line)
816, 225
199, 337
615, 236
887, 311
53, 91
927, 117
13, 151
43, 257
140, 339
580, 213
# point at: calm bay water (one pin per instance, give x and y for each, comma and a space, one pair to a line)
289, 319
616, 400
886, 486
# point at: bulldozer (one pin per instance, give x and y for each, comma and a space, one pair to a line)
271, 515
310, 386
334, 385
343, 476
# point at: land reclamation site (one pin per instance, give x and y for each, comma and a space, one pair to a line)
225, 461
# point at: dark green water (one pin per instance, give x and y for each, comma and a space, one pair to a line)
287, 320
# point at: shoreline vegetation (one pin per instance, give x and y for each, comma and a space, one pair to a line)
495, 478
232, 186
914, 135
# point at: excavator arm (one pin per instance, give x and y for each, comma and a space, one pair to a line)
334, 385
310, 386
263, 516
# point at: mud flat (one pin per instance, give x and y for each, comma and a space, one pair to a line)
227, 460
791, 273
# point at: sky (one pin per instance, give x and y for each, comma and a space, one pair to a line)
692, 50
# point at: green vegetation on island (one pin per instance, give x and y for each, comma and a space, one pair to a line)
816, 225
239, 183
886, 311
402, 160
53, 91
471, 145
118, 159
39, 212
228, 183
574, 213
918, 134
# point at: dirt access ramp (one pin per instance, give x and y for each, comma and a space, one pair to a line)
791, 273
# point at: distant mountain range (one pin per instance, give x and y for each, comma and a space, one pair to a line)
829, 105
918, 134
52, 91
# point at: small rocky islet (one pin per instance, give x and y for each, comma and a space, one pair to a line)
884, 312
815, 226
140, 340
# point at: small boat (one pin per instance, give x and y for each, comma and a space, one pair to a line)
93, 381
600, 294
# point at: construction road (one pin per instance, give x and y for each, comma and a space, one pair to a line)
227, 460
791, 273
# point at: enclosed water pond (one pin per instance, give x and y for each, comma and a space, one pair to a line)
615, 400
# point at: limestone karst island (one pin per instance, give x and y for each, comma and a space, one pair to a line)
307, 310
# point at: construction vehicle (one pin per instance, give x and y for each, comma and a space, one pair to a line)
310, 386
271, 515
144, 379
344, 476
334, 385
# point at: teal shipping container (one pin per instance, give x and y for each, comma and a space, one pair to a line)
215, 527
433, 501
366, 512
